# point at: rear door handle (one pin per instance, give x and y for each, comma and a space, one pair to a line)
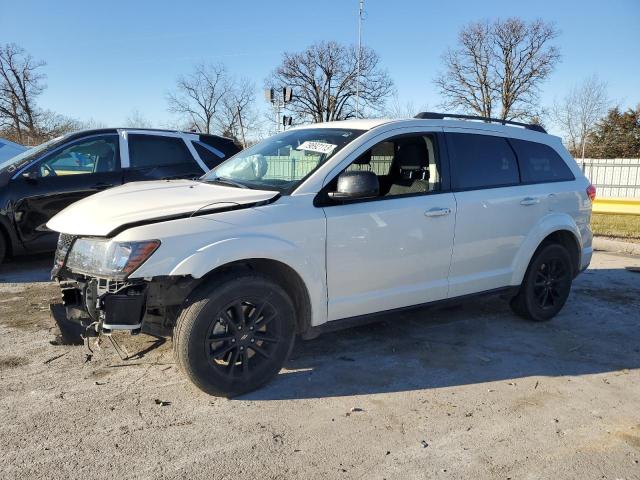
529, 201
437, 212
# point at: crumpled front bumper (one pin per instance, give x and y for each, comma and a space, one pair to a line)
91, 306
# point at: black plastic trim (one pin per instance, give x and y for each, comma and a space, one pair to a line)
350, 322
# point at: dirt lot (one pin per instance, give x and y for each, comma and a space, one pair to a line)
470, 392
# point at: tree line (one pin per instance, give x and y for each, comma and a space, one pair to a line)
496, 69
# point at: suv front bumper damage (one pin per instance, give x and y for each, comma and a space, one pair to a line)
93, 306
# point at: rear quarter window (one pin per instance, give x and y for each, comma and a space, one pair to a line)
481, 161
540, 163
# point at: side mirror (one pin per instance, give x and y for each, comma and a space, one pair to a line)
356, 185
29, 175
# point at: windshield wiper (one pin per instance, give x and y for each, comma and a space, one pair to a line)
228, 181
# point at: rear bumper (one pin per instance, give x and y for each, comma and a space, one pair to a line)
585, 258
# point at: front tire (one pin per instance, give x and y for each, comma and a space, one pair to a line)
546, 284
235, 334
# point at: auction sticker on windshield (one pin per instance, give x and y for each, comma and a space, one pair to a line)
319, 147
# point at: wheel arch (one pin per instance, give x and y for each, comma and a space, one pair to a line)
559, 229
286, 276
569, 241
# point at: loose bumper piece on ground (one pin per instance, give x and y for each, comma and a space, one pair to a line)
72, 332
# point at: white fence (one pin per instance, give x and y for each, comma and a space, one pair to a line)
613, 177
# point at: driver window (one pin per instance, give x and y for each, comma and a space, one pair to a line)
94, 155
406, 165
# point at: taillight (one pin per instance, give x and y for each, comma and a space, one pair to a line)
591, 192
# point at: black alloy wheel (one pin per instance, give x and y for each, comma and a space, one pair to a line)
243, 337
235, 333
546, 284
552, 283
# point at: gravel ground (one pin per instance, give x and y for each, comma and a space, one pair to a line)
467, 392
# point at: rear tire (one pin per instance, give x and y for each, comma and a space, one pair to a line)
546, 284
235, 334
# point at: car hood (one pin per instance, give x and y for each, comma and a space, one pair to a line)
147, 202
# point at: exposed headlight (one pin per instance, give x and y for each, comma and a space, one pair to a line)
106, 258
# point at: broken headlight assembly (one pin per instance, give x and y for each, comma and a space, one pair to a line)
108, 259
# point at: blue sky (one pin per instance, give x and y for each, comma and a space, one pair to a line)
106, 59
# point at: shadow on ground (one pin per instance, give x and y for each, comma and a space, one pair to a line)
481, 341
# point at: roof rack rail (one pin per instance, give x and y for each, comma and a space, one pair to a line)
441, 116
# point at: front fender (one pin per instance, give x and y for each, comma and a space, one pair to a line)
552, 222
253, 246
222, 252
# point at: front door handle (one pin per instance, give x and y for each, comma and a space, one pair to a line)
437, 212
529, 201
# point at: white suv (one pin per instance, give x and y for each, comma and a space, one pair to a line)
320, 227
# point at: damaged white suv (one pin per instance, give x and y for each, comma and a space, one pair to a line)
320, 227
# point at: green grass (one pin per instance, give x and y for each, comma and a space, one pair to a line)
612, 225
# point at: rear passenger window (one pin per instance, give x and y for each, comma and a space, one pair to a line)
540, 163
481, 161
156, 150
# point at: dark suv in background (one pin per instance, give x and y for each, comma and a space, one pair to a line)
40, 182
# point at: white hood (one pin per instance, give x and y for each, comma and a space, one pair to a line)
104, 212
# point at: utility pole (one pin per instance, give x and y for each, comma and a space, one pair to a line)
360, 18
244, 140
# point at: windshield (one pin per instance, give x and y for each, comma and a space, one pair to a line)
281, 162
25, 157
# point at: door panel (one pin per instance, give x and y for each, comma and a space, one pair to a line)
70, 173
388, 254
495, 212
491, 225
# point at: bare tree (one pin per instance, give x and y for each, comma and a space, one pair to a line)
324, 79
398, 109
137, 120
20, 85
579, 111
199, 96
497, 68
468, 84
51, 125
238, 116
